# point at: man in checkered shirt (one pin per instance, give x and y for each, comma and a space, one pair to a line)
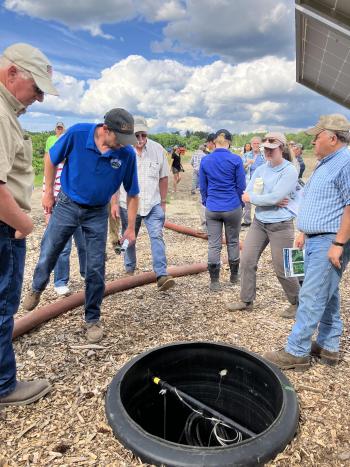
324, 223
197, 156
153, 173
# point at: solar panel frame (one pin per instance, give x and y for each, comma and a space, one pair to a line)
323, 47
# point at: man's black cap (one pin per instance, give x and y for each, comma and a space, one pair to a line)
226, 133
210, 138
122, 123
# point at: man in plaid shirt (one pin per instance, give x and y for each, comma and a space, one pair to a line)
153, 173
324, 223
197, 156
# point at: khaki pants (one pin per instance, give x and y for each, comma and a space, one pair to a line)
114, 227
280, 235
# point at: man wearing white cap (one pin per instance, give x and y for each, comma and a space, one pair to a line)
25, 76
324, 220
153, 173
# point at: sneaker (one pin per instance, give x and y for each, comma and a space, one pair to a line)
31, 300
129, 273
237, 306
324, 356
165, 283
287, 361
62, 290
26, 392
289, 312
94, 332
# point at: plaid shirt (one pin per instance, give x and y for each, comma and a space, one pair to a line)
152, 165
326, 194
197, 156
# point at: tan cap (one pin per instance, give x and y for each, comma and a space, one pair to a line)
333, 122
59, 124
140, 124
34, 61
273, 140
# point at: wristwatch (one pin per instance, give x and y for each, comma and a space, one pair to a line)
337, 243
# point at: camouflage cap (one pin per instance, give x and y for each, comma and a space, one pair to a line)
333, 122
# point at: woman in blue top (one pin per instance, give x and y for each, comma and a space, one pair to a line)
272, 190
222, 182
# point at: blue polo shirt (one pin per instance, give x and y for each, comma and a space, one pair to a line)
88, 176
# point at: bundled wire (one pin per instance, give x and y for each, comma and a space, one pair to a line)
203, 430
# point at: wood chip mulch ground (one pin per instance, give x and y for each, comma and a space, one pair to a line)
69, 426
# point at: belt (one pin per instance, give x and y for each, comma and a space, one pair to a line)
322, 233
88, 206
6, 231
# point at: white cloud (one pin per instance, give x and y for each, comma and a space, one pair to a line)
173, 96
237, 30
70, 91
88, 15
161, 10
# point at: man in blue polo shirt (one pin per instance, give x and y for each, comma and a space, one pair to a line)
324, 220
98, 159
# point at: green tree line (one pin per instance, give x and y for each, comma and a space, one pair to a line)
191, 141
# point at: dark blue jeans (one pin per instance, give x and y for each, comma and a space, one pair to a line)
12, 256
66, 217
61, 271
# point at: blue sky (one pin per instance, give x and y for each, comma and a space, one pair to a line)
183, 64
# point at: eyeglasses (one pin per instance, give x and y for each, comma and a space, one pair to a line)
318, 134
141, 135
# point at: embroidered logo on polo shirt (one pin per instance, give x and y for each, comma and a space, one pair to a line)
116, 163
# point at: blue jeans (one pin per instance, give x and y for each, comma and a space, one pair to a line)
12, 257
61, 271
154, 222
318, 299
66, 217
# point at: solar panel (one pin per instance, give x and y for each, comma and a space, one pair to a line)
323, 47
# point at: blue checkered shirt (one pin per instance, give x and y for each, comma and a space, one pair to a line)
326, 194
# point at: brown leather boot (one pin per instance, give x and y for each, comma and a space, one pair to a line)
31, 300
324, 356
26, 392
165, 282
287, 361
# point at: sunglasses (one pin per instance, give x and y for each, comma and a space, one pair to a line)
271, 141
37, 90
141, 135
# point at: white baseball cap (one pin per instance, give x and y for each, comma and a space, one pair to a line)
33, 60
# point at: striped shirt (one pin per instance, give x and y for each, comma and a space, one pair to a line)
51, 140
152, 165
57, 184
326, 194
